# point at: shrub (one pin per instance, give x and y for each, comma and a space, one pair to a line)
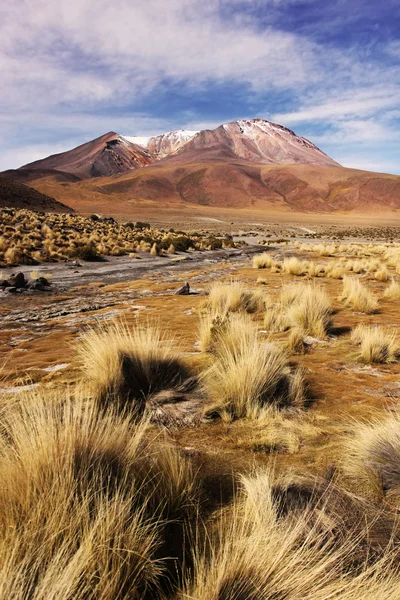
126, 367
248, 377
357, 296
393, 290
233, 297
262, 261
376, 344
87, 252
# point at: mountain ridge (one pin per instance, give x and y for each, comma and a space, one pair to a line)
254, 140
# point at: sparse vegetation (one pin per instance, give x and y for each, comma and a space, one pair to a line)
248, 377
28, 238
124, 367
233, 297
377, 345
357, 296
235, 451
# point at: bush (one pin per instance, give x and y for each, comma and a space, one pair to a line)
124, 367
87, 252
233, 297
248, 377
376, 344
357, 296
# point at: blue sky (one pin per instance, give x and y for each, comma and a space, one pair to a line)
72, 70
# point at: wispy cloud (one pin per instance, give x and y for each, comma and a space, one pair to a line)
74, 69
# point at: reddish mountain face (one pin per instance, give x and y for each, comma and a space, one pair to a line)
242, 164
254, 141
104, 156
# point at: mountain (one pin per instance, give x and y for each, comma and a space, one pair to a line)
255, 141
106, 155
243, 164
17, 195
161, 146
168, 185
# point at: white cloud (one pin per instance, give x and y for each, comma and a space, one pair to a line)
360, 102
79, 50
57, 57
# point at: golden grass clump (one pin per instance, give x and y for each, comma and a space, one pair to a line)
382, 274
311, 313
357, 296
126, 367
371, 458
232, 329
392, 291
315, 269
88, 507
233, 297
377, 345
248, 377
259, 555
262, 261
304, 307
294, 266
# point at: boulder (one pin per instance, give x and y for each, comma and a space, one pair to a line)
17, 280
184, 290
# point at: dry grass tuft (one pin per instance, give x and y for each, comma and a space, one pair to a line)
382, 274
258, 556
125, 367
233, 297
393, 290
88, 509
311, 313
304, 307
294, 266
357, 296
231, 330
377, 345
372, 458
248, 377
262, 261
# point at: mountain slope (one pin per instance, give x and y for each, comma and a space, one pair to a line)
165, 144
106, 155
17, 195
256, 141
305, 188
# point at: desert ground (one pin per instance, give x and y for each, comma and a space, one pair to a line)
236, 441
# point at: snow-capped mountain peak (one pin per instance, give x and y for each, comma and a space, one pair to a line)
164, 144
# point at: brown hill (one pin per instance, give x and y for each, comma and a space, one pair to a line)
306, 188
251, 141
256, 141
104, 156
17, 195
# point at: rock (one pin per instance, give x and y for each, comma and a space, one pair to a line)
75, 263
36, 286
12, 290
4, 283
18, 281
43, 281
184, 290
